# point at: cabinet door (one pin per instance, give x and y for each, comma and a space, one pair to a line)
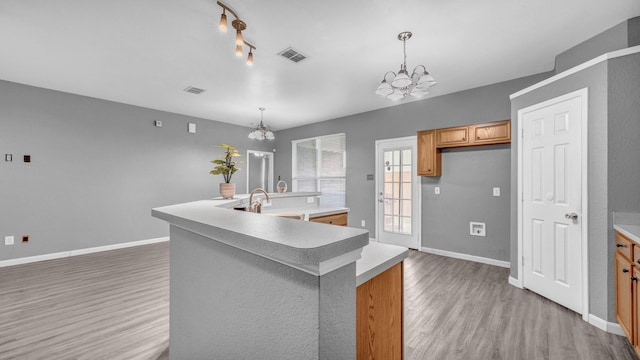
452, 137
379, 316
428, 156
636, 308
624, 301
491, 133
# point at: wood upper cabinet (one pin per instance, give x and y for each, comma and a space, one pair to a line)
452, 137
498, 132
431, 141
429, 157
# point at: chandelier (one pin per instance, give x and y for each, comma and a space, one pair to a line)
261, 132
398, 86
239, 25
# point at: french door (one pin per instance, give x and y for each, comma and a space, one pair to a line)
397, 192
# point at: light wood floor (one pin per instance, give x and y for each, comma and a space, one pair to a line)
115, 305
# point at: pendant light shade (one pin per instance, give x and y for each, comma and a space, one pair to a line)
402, 85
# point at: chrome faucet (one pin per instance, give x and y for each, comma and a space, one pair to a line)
257, 206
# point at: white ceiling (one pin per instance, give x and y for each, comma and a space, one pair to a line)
145, 52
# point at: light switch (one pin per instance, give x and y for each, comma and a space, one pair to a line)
436, 190
8, 157
192, 128
496, 191
158, 123
8, 240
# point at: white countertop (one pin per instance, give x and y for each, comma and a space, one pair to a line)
304, 245
377, 258
631, 231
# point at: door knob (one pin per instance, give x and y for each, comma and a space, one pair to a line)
571, 216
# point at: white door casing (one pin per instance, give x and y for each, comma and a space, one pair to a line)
552, 193
398, 220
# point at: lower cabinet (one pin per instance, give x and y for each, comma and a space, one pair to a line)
379, 316
624, 294
627, 266
339, 219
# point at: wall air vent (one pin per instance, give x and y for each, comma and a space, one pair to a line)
292, 55
194, 90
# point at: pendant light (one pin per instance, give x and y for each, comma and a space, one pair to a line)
261, 132
396, 87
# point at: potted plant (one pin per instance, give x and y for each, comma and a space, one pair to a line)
226, 167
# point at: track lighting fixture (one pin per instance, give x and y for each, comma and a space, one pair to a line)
239, 26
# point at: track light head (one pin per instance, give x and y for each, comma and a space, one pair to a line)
222, 25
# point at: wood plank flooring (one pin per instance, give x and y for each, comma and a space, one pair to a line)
115, 305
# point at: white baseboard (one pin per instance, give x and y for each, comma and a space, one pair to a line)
64, 254
613, 328
505, 264
515, 282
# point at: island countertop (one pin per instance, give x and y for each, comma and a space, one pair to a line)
301, 244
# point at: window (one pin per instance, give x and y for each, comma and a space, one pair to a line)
319, 165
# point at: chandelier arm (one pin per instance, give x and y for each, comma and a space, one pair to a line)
384, 78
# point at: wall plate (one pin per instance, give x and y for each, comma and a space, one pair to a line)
477, 229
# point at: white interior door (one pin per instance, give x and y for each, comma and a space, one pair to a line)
552, 180
397, 192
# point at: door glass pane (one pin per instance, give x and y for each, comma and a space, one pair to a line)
397, 195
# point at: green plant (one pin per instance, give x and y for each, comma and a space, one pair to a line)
225, 166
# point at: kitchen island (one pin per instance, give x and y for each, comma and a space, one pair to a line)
246, 285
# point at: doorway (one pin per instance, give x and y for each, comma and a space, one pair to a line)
552, 200
259, 170
397, 192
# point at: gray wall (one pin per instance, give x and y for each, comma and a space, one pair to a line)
97, 169
623, 149
623, 35
462, 200
614, 165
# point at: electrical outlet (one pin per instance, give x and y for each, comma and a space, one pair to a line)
496, 191
158, 123
362, 223
8, 240
8, 157
311, 199
436, 190
266, 203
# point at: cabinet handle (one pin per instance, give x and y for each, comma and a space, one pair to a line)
625, 270
638, 261
633, 278
478, 138
464, 139
620, 245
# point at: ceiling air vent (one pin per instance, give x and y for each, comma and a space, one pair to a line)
194, 90
292, 55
